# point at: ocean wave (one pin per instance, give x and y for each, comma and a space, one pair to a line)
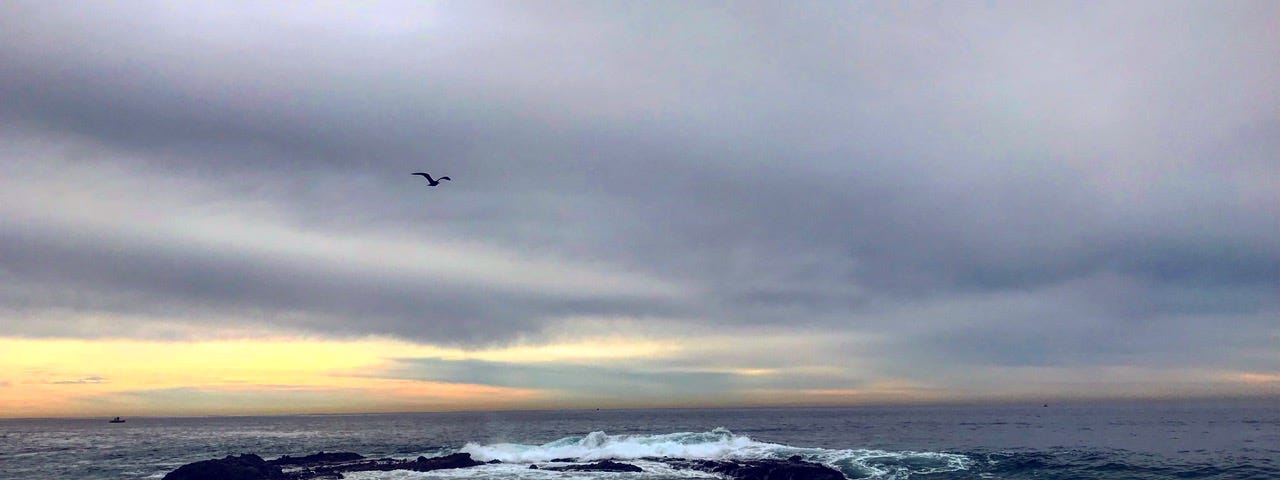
718, 444
652, 471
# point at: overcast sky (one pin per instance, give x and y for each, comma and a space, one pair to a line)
806, 202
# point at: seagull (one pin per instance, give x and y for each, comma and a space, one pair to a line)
431, 181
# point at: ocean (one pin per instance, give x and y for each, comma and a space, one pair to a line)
1237, 439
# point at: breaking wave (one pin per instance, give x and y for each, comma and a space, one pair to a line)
718, 444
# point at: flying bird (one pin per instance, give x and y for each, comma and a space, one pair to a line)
431, 181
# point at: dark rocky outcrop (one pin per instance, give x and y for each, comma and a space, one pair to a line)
601, 466
421, 464
333, 465
317, 458
457, 460
791, 469
242, 467
318, 466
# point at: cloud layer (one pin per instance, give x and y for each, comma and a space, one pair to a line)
954, 189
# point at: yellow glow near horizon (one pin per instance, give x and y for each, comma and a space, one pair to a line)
610, 349
61, 377
1253, 378
281, 375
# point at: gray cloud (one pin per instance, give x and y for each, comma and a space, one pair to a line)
1010, 185
572, 378
94, 379
648, 380
188, 281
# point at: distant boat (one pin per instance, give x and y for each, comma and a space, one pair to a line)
116, 420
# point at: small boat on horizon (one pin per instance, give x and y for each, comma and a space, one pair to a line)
116, 420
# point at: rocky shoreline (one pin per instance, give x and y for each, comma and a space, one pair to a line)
333, 465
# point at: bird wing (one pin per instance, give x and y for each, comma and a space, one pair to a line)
444, 178
423, 174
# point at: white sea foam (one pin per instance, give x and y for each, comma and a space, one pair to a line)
509, 471
718, 444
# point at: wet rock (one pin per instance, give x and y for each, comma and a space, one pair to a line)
601, 466
421, 464
790, 469
457, 460
317, 458
243, 467
323, 466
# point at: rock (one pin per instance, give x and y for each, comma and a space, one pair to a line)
321, 457
564, 460
332, 465
457, 460
601, 466
243, 467
380, 464
314, 467
790, 469
421, 464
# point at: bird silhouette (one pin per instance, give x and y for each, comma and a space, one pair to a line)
431, 182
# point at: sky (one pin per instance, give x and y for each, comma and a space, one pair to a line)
207, 208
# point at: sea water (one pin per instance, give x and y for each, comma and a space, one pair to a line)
1119, 440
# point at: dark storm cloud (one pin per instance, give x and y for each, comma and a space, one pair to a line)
819, 165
